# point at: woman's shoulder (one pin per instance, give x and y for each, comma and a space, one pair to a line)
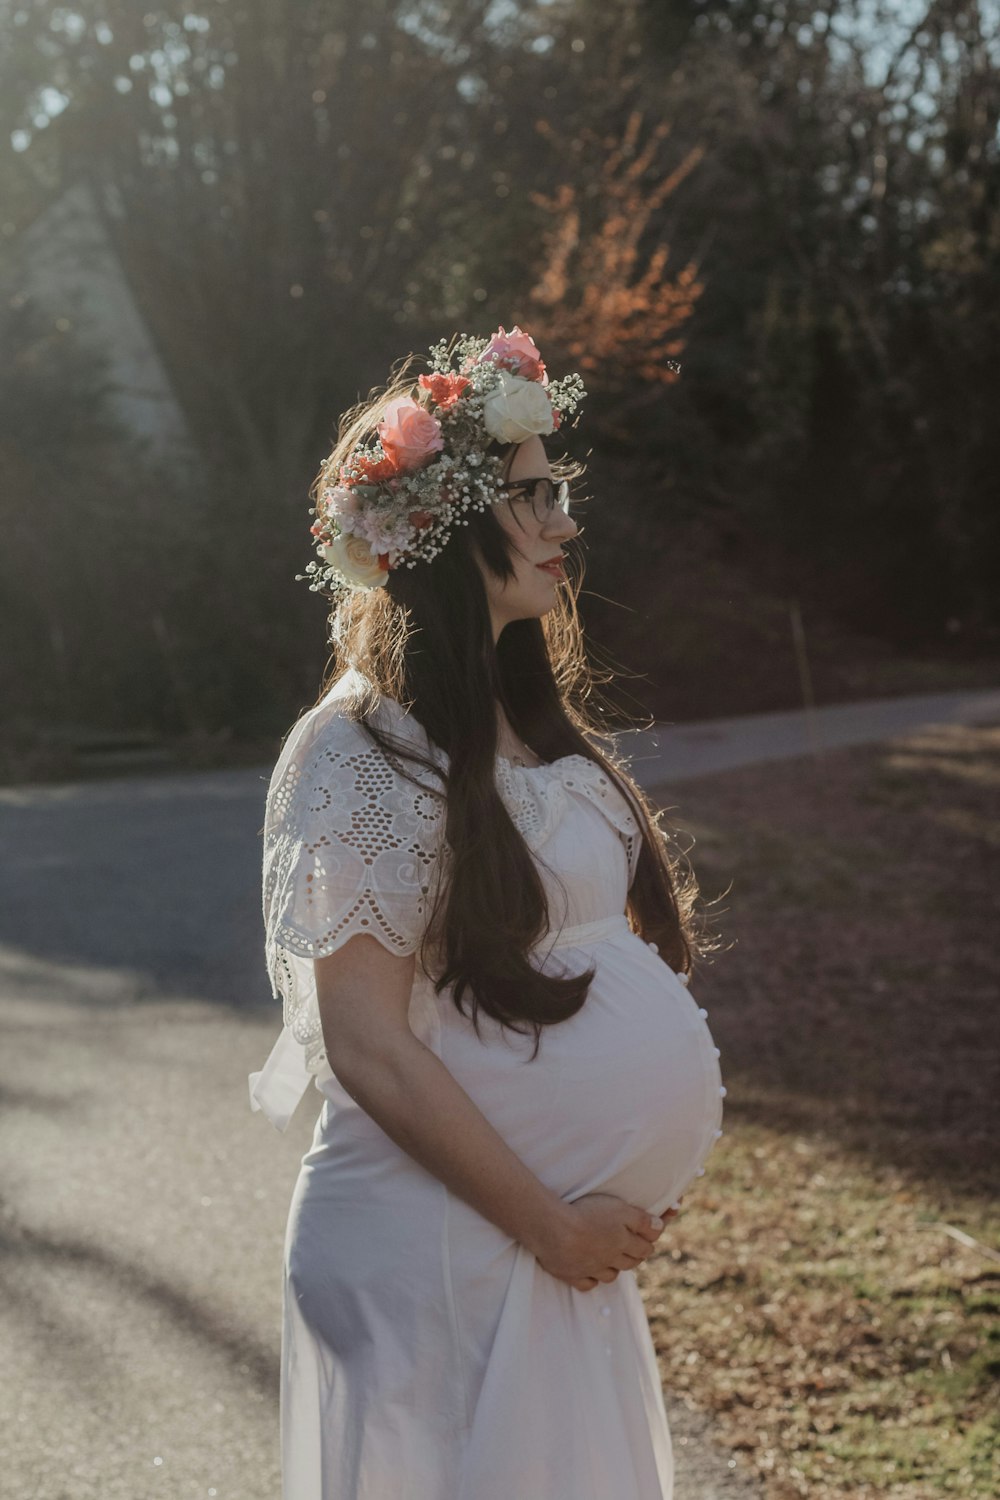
327, 727
332, 735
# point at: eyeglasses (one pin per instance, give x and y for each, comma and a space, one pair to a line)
543, 493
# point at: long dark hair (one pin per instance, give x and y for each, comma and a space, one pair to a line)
425, 639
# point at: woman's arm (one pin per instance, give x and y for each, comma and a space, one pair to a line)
363, 993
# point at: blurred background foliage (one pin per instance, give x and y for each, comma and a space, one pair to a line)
799, 201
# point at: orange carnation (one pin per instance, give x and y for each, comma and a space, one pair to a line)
375, 470
445, 389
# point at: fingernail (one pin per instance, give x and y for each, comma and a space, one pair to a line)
657, 1223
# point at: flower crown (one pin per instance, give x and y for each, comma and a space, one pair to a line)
396, 499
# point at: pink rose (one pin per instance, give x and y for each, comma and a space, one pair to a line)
517, 352
410, 435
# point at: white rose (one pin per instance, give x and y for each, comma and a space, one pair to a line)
517, 409
352, 556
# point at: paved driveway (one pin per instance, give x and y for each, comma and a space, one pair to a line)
672, 752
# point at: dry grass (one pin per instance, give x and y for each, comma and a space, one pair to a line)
810, 1294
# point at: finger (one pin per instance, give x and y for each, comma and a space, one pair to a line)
608, 1274
586, 1285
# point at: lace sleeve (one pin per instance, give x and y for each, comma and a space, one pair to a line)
350, 846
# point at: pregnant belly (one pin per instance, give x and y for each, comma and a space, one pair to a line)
625, 1097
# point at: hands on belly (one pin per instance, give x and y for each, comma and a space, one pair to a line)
605, 1236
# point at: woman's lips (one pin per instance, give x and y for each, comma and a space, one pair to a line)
554, 568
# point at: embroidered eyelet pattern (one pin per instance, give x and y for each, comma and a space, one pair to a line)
536, 798
350, 846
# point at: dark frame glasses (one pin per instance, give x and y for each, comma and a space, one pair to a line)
555, 494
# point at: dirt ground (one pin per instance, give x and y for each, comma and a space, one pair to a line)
831, 1289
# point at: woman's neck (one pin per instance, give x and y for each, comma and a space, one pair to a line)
511, 746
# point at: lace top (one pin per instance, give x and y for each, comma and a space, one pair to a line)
351, 845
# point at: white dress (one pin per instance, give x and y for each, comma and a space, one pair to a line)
425, 1354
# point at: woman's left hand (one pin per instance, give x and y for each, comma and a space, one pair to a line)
589, 1282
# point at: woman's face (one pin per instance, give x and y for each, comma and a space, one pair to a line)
538, 538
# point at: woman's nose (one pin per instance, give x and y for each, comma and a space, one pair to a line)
561, 524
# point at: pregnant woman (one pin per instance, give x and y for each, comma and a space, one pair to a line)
481, 940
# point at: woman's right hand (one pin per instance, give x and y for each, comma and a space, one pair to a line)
601, 1236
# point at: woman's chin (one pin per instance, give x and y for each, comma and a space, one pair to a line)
549, 590
536, 603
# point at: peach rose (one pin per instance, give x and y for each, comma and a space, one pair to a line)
409, 434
